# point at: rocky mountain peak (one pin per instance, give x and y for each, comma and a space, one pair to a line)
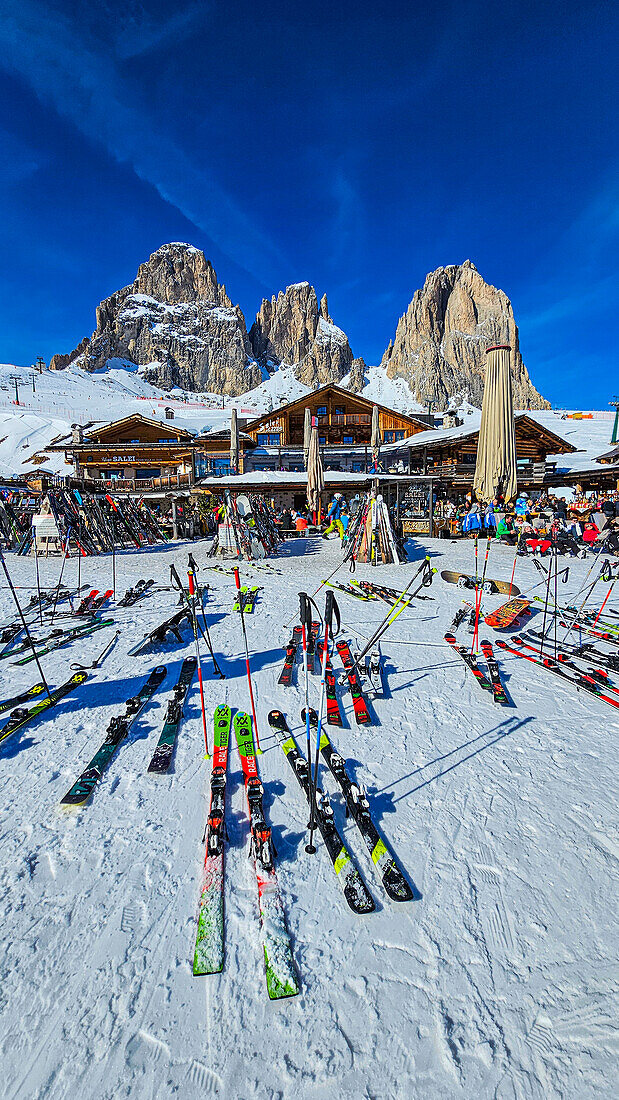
180, 273
292, 329
440, 342
177, 322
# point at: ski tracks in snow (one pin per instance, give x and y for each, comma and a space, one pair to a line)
497, 982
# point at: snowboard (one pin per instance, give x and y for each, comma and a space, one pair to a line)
508, 614
465, 580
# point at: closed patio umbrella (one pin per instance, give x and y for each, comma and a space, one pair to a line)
375, 438
495, 469
234, 442
315, 475
307, 433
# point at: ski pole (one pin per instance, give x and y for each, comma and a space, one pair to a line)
396, 610
24, 623
192, 597
36, 561
251, 692
306, 624
478, 600
205, 633
64, 558
330, 606
100, 659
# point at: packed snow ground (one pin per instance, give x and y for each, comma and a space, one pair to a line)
497, 981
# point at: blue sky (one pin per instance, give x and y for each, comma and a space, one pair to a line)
355, 147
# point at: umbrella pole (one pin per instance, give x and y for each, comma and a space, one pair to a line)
478, 599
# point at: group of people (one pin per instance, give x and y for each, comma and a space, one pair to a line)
536, 525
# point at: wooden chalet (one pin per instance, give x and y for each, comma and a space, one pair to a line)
134, 452
450, 454
344, 420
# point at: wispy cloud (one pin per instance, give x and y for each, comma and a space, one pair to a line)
18, 160
140, 32
68, 70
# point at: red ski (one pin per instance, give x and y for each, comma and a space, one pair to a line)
362, 714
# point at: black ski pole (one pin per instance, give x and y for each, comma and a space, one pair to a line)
330, 608
36, 562
23, 622
174, 577
100, 659
64, 558
306, 633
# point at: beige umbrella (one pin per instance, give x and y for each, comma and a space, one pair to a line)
307, 434
495, 470
315, 475
375, 438
234, 442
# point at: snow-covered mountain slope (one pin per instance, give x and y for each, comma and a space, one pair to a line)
62, 398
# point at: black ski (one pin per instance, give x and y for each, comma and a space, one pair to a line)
162, 756
355, 891
498, 691
22, 716
470, 662
358, 807
117, 731
285, 677
23, 697
159, 634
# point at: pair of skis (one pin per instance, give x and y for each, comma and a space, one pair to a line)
493, 684
566, 670
357, 806
58, 641
132, 595
281, 977
249, 597
120, 725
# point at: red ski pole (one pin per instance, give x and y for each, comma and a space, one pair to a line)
194, 620
251, 692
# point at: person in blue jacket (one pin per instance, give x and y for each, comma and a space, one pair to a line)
333, 516
471, 523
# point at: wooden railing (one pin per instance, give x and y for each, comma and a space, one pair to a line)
534, 472
135, 485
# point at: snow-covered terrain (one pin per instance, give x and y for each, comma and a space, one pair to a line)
498, 981
72, 395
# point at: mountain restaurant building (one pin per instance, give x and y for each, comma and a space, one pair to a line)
131, 453
344, 431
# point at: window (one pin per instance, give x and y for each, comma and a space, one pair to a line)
347, 439
393, 437
147, 472
322, 439
357, 467
339, 410
321, 410
221, 467
268, 439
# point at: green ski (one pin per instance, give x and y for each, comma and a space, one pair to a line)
282, 980
209, 953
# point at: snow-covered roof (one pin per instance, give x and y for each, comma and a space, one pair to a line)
463, 431
281, 478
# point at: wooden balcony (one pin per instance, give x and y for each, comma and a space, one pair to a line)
134, 485
462, 473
